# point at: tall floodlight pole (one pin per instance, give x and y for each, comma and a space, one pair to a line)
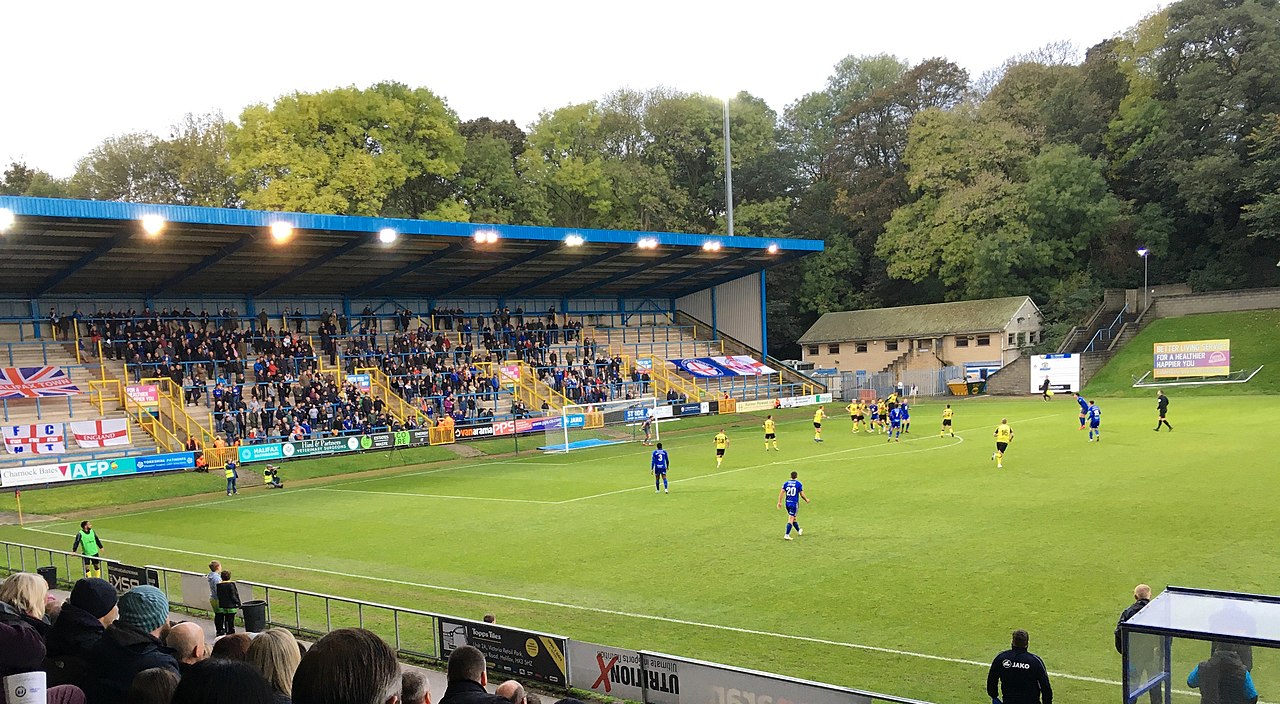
728, 173
1143, 252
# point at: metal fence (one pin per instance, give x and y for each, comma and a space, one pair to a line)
925, 382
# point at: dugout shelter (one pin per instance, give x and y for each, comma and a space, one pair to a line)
1200, 639
76, 254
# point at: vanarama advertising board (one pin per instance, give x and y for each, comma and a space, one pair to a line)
1194, 358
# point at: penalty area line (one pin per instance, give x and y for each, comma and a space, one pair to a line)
593, 609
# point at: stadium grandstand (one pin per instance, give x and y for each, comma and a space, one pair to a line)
195, 328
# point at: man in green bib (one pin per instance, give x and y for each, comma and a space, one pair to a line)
90, 544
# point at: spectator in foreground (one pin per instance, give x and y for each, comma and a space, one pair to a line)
232, 647
132, 644
84, 618
348, 666
186, 639
154, 686
489, 618
276, 655
468, 678
512, 691
1019, 674
222, 682
27, 593
21, 647
414, 688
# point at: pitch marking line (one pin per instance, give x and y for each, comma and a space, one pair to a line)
808, 458
335, 487
434, 496
592, 609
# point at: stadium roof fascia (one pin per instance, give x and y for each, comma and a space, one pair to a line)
233, 217
62, 247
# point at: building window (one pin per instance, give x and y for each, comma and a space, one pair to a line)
891, 345
859, 347
833, 349
962, 341
924, 345
1013, 339
984, 340
813, 349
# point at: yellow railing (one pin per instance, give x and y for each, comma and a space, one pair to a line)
397, 407
379, 387
526, 387
441, 435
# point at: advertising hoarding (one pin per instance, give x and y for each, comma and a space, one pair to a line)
1197, 358
1062, 371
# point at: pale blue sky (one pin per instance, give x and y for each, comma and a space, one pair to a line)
81, 71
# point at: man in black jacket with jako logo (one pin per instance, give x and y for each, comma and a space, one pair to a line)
1019, 674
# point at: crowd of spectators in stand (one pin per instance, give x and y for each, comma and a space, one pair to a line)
263, 383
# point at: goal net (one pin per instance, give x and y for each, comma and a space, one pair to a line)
587, 425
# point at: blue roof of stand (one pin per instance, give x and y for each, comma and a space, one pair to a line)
62, 246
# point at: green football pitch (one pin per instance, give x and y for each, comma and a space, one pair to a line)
917, 559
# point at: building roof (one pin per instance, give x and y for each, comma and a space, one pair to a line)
959, 317
64, 246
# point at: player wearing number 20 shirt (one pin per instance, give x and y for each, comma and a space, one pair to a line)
792, 492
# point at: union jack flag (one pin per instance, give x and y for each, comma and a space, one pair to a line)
35, 382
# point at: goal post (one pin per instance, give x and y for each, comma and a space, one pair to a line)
587, 425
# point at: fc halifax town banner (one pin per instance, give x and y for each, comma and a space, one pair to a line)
35, 382
711, 367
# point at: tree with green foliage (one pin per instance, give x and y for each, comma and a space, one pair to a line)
22, 180
388, 149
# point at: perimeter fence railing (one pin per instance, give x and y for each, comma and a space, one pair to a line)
552, 661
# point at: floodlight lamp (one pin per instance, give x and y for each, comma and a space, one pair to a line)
7, 219
486, 236
773, 248
152, 224
711, 246
1143, 251
574, 240
387, 235
281, 231
647, 243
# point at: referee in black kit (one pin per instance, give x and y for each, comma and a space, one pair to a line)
1019, 674
1162, 407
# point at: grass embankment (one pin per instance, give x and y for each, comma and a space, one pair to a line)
1253, 337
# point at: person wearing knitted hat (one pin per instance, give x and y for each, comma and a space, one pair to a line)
85, 616
132, 644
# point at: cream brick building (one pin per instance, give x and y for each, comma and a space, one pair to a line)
990, 332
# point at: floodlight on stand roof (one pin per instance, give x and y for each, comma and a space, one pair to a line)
647, 243
153, 224
773, 248
281, 230
7, 219
711, 246
573, 239
486, 236
387, 235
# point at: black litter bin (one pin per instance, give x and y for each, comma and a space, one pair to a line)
255, 615
50, 575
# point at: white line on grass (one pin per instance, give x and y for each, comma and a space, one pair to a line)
592, 609
807, 458
433, 496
